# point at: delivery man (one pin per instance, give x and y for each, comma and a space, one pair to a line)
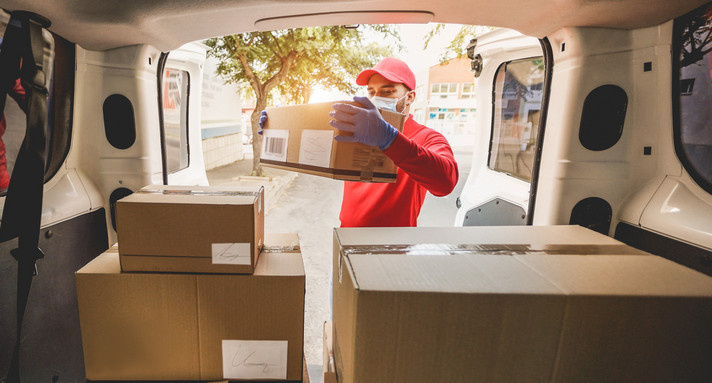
424, 158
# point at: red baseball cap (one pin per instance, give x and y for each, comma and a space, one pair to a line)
392, 69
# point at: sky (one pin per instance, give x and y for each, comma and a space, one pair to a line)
412, 37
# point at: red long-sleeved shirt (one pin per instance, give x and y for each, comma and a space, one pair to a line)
425, 163
18, 93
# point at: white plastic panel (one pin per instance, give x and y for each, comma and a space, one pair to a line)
676, 211
66, 197
584, 59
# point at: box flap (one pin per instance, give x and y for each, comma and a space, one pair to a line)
106, 263
450, 273
275, 264
621, 275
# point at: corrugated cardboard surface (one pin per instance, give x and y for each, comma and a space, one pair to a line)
274, 243
158, 228
440, 320
146, 326
328, 365
348, 161
521, 317
630, 318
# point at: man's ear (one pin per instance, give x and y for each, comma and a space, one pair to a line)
410, 98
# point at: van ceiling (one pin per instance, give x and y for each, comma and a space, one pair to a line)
168, 24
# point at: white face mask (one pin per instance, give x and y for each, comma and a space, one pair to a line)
387, 103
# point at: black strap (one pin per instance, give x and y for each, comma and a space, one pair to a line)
23, 204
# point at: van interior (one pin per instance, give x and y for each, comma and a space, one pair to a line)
619, 139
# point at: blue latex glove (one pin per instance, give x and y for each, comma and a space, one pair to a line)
366, 124
263, 118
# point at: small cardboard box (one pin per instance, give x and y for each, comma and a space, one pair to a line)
477, 314
206, 229
169, 326
299, 138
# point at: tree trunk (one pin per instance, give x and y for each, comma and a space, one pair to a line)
256, 141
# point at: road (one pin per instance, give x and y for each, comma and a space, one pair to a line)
310, 207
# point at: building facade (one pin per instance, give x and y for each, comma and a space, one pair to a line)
446, 100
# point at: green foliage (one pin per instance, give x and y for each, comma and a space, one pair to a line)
458, 45
295, 60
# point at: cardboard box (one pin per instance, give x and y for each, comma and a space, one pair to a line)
511, 315
299, 138
205, 229
328, 365
168, 326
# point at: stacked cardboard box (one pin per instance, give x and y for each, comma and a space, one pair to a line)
191, 229
299, 138
173, 313
514, 304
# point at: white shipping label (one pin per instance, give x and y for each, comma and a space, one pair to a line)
274, 144
315, 148
254, 359
232, 254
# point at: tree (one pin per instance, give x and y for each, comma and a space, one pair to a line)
696, 35
292, 62
458, 45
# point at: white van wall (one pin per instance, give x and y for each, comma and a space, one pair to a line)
131, 72
584, 59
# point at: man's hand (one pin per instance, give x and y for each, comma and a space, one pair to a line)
366, 124
263, 118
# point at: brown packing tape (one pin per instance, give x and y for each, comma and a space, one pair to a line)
592, 249
434, 249
280, 249
200, 192
366, 175
379, 177
367, 163
501, 249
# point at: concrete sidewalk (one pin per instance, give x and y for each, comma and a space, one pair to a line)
237, 173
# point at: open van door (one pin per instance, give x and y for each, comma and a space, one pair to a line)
181, 83
510, 77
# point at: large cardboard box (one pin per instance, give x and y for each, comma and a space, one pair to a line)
169, 326
206, 229
475, 313
299, 138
